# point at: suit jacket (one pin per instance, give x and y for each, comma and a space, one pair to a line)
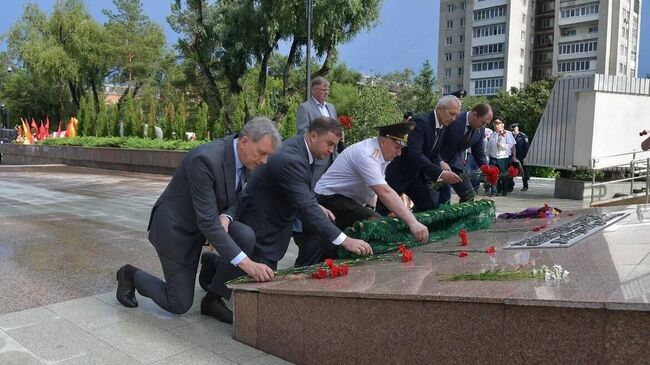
187, 212
453, 144
421, 157
309, 111
275, 194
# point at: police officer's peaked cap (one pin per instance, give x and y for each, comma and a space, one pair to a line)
514, 125
398, 132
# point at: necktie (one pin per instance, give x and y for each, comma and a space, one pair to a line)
468, 136
242, 180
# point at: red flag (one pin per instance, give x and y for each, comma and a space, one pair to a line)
58, 131
47, 126
34, 124
41, 132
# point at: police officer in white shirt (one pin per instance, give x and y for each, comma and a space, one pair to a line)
349, 187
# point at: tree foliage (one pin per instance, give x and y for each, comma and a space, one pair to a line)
374, 107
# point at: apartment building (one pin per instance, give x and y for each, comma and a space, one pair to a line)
490, 45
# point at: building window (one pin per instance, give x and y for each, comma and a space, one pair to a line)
490, 13
447, 56
488, 86
461, 55
447, 72
460, 71
578, 47
576, 65
569, 32
447, 89
523, 18
462, 22
448, 41
489, 30
632, 72
450, 8
488, 65
523, 35
461, 39
593, 29
522, 53
462, 5
581, 10
521, 69
488, 49
450, 24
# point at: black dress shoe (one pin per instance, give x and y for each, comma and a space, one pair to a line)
125, 287
213, 306
524, 189
208, 269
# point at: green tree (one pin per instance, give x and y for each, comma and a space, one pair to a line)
135, 43
180, 123
103, 124
201, 126
524, 106
424, 94
374, 107
86, 125
63, 51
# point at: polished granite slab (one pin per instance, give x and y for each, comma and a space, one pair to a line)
609, 269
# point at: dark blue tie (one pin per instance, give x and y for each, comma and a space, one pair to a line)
242, 180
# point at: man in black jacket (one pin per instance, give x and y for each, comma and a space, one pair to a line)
196, 206
421, 162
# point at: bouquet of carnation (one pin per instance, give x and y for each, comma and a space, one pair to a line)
488, 174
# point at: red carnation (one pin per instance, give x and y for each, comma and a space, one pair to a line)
345, 121
334, 271
463, 253
491, 250
513, 171
344, 269
329, 263
319, 274
463, 237
491, 174
407, 255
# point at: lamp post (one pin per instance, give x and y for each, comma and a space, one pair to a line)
308, 11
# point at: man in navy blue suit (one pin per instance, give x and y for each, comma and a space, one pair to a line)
420, 162
466, 132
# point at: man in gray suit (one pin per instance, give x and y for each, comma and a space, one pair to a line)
281, 190
316, 106
196, 206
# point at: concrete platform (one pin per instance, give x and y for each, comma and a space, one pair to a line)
63, 233
395, 310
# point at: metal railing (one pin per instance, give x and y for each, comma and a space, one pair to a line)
638, 168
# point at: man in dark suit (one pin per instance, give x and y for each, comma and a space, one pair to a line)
466, 132
283, 189
195, 207
421, 163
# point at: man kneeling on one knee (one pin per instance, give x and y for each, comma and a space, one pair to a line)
196, 206
350, 184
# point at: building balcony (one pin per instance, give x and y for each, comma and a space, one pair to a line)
480, 41
578, 19
487, 74
581, 55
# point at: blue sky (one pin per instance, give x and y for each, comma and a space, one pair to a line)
406, 37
